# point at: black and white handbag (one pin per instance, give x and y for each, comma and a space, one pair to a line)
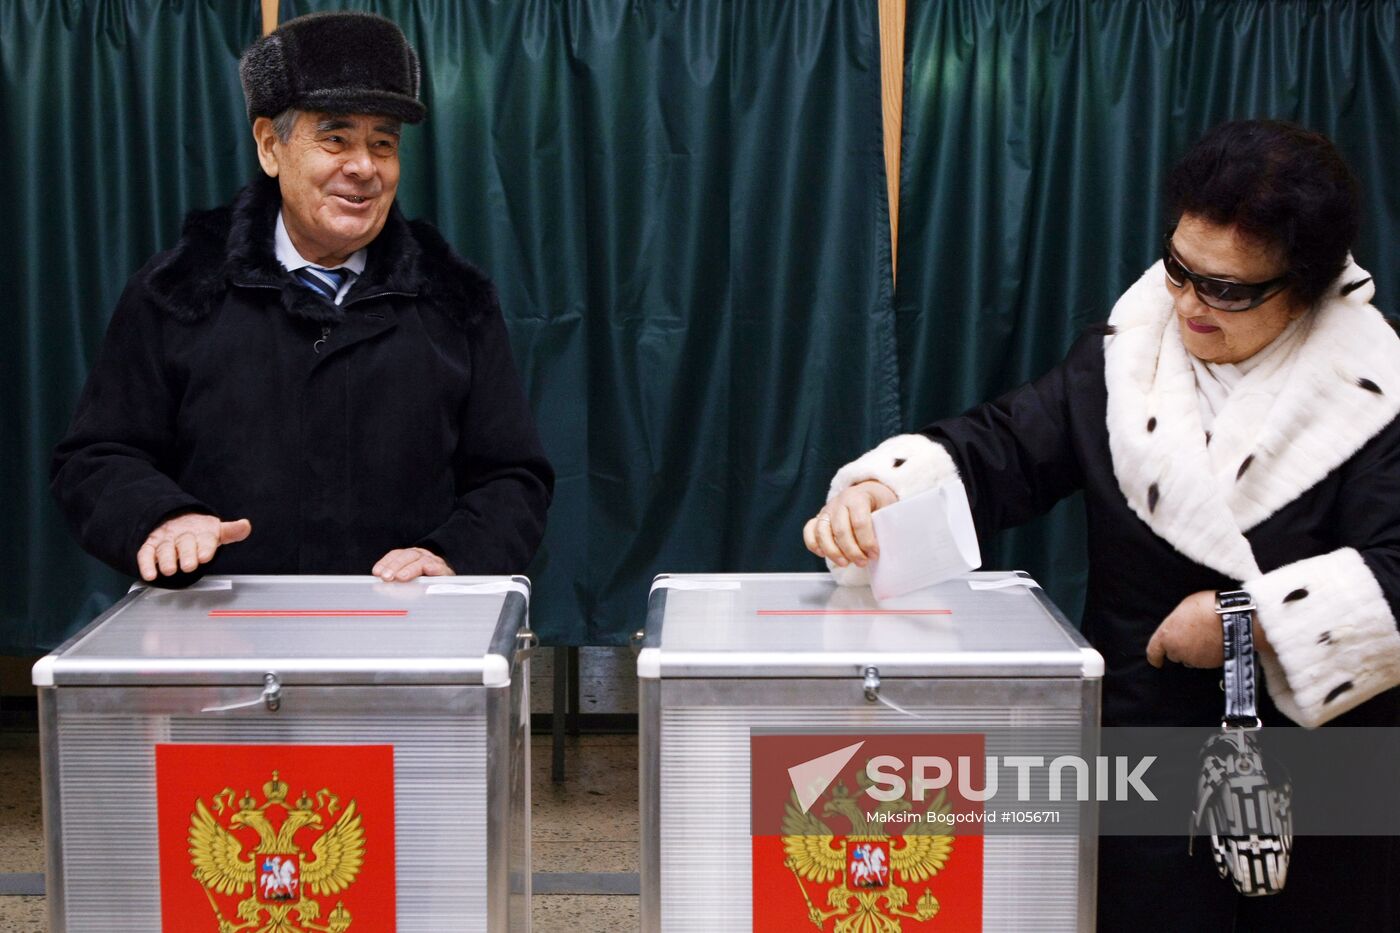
1246, 810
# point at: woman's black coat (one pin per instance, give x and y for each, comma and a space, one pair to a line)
1301, 508
1022, 453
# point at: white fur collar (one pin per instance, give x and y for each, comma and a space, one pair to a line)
1284, 428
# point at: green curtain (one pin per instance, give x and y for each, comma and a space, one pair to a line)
118, 118
682, 205
1036, 137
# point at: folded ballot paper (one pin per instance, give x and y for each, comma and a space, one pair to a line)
924, 540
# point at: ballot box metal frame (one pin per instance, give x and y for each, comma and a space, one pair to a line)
492, 689
1069, 683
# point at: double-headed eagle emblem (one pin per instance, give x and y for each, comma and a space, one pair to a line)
276, 875
869, 866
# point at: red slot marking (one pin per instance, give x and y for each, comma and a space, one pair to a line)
303, 613
855, 612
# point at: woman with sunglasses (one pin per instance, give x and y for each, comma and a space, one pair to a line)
1233, 428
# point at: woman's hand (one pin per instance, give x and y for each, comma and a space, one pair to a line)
1192, 635
842, 531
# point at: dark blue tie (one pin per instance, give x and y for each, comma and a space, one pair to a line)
324, 282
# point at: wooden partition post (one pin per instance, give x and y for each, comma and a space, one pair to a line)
892, 107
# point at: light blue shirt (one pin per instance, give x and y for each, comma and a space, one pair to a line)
291, 260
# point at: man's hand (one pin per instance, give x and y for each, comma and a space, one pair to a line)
409, 563
842, 531
186, 541
1192, 635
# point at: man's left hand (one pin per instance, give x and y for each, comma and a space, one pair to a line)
409, 563
1192, 635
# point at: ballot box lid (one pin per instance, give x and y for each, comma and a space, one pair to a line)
805, 625
303, 629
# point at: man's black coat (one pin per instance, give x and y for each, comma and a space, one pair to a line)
394, 420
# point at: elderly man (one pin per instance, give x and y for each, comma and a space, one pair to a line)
307, 382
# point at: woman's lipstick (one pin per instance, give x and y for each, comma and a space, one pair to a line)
1201, 327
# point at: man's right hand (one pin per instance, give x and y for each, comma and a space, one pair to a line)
186, 541
842, 531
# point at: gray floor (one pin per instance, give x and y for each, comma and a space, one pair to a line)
585, 829
607, 680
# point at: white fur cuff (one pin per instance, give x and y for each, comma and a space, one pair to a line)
907, 463
1334, 639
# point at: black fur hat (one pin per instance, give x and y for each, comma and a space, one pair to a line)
333, 63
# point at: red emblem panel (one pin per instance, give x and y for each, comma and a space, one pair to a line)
291, 838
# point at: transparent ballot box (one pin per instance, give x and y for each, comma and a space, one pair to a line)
292, 753
814, 759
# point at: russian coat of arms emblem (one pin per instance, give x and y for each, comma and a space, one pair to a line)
835, 852
863, 865
279, 894
275, 860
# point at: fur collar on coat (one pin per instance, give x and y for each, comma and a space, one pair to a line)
232, 246
1282, 431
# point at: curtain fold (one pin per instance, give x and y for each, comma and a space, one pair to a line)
1036, 137
120, 116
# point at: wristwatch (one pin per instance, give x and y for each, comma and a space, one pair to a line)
1236, 611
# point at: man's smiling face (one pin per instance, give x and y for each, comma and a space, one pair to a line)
338, 174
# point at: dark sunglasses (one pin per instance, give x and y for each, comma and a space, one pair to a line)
1220, 294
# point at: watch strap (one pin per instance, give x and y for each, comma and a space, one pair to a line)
1236, 611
